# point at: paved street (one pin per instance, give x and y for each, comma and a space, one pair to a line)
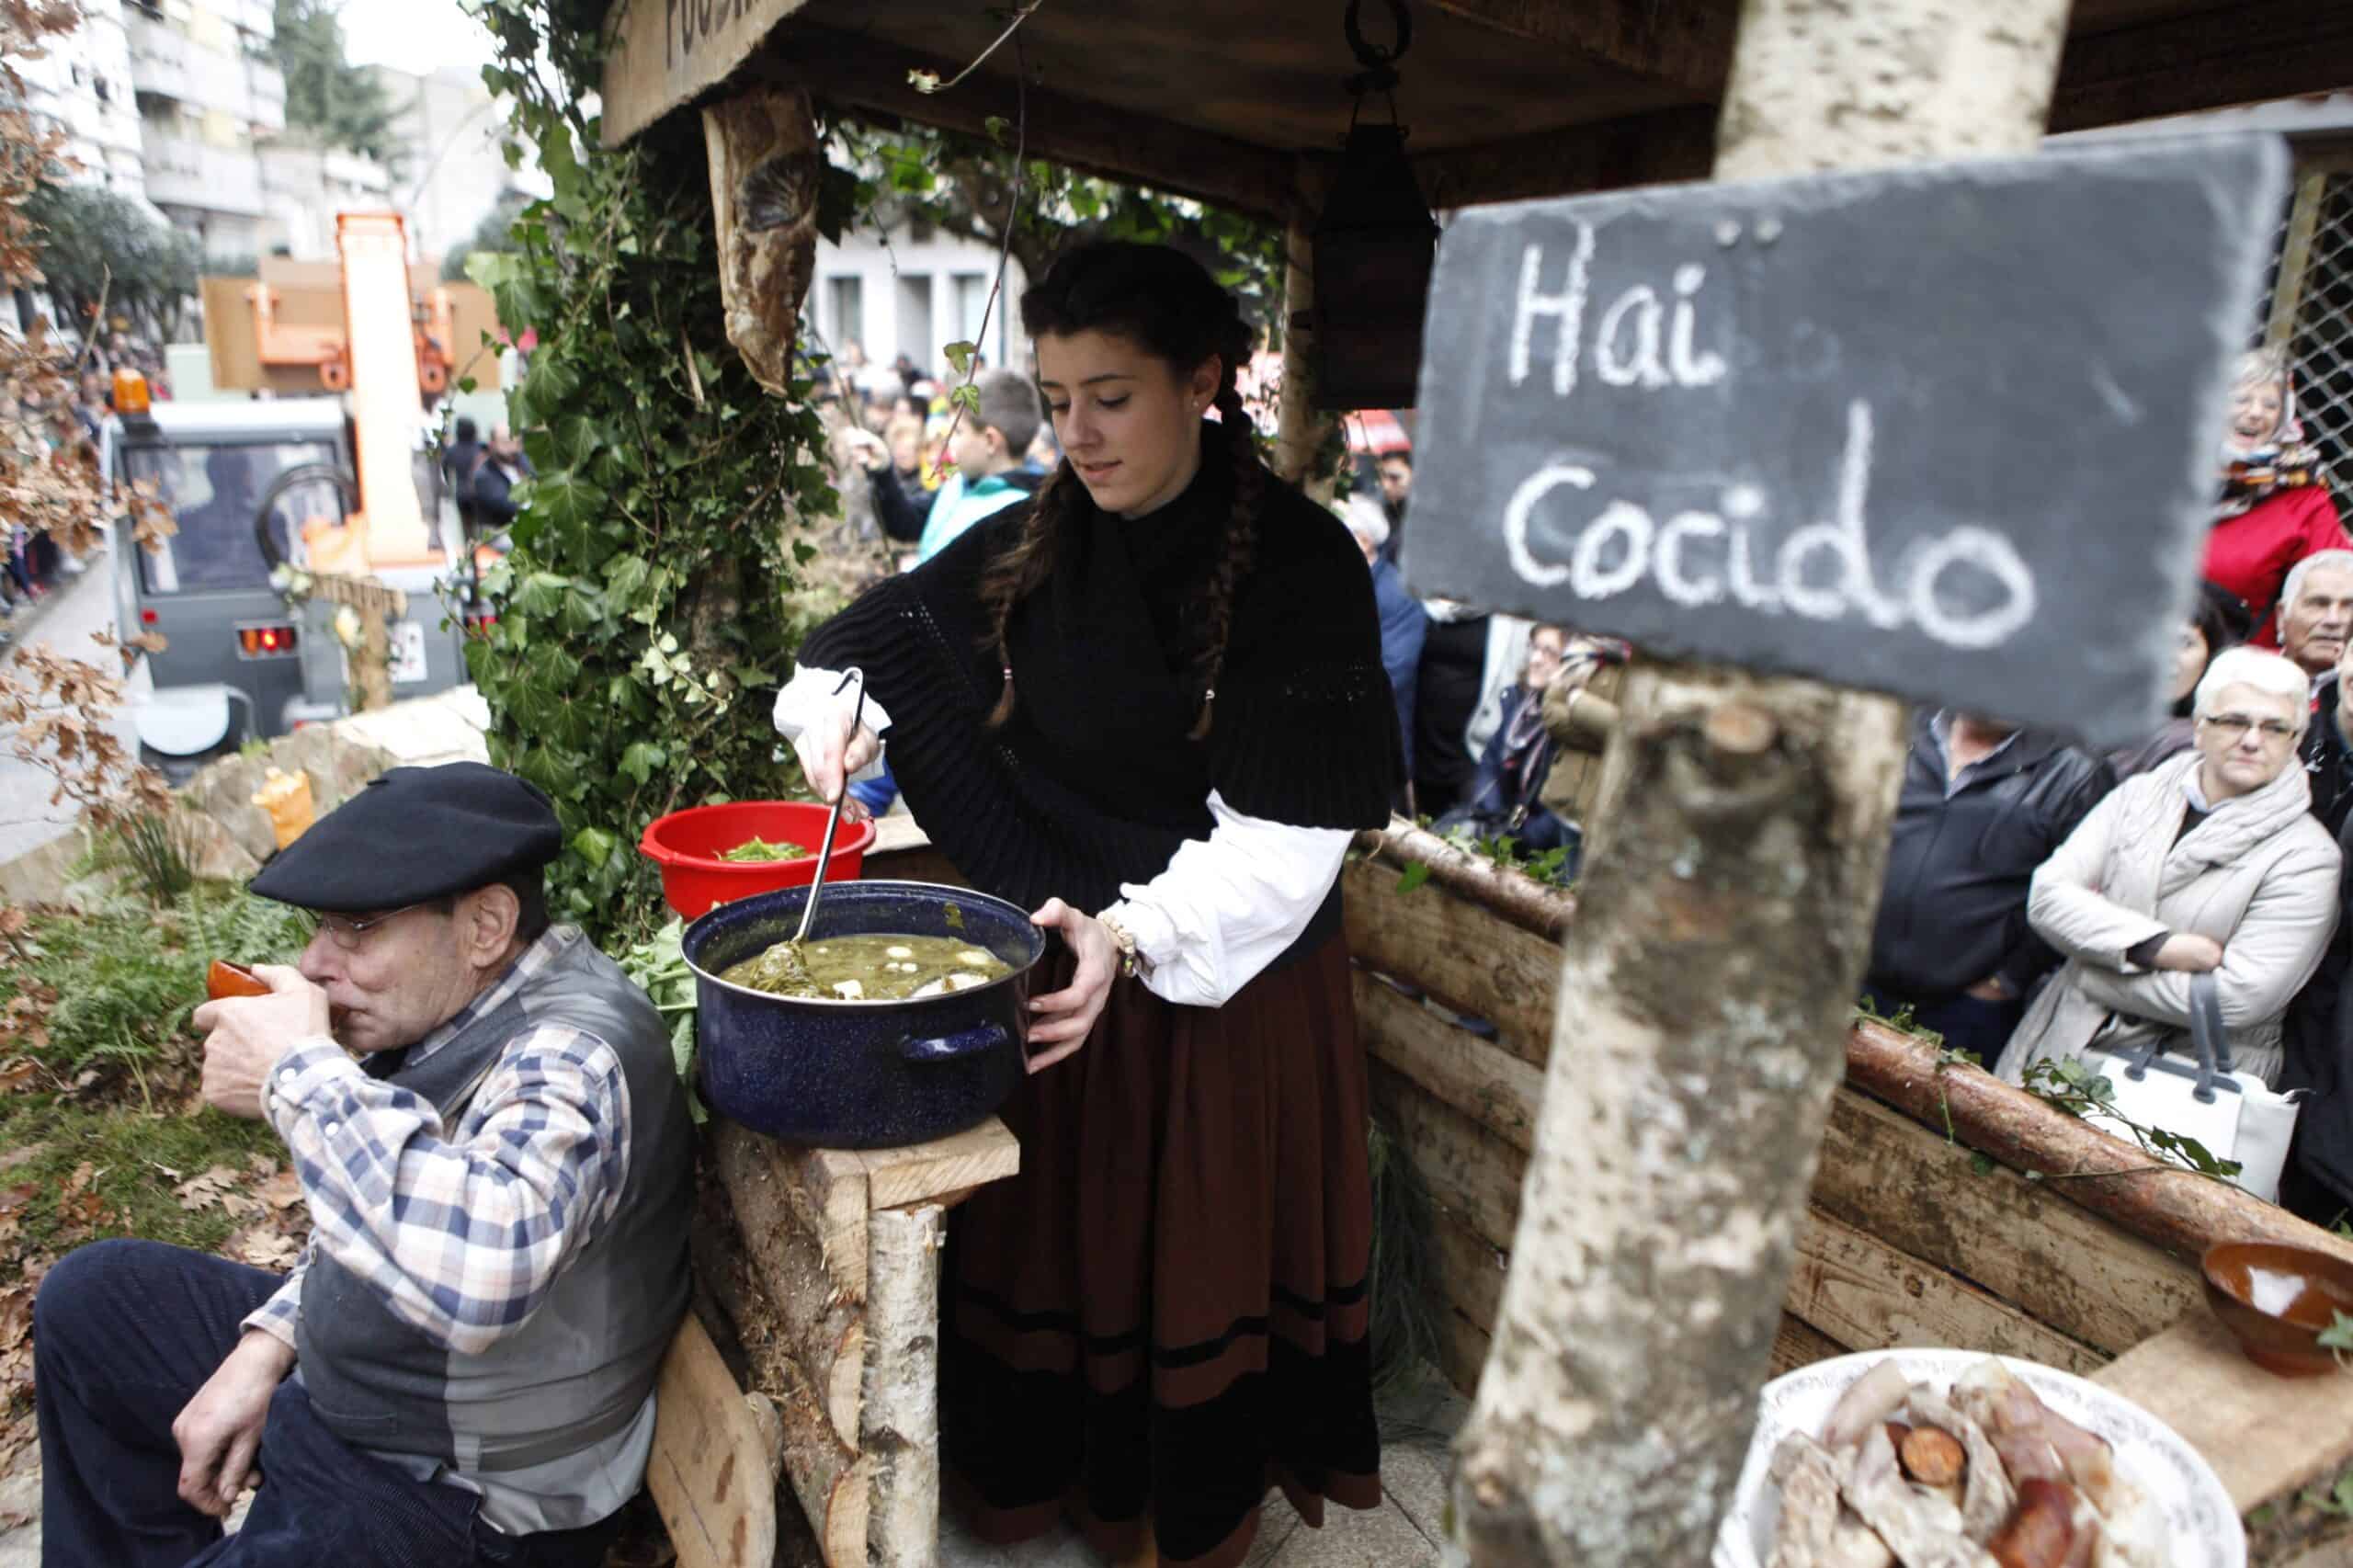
78, 607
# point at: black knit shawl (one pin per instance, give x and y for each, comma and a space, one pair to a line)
1094, 782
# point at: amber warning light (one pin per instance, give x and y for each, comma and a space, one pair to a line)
266, 642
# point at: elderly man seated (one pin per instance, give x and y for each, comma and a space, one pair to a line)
2316, 612
2207, 863
1982, 804
461, 1368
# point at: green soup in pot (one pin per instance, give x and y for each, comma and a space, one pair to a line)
871, 968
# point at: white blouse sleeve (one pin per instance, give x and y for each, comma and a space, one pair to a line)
809, 692
1230, 905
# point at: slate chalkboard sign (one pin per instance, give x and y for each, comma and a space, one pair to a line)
1948, 431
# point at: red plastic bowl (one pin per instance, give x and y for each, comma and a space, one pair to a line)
687, 846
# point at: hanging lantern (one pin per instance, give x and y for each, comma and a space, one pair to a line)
1374, 246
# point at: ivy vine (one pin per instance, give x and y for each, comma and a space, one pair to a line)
643, 618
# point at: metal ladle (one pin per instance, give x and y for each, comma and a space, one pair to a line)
857, 714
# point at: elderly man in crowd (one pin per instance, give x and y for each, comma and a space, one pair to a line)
461, 1368
2209, 863
2316, 612
1983, 805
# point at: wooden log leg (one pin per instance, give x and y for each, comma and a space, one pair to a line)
830, 1479
901, 1440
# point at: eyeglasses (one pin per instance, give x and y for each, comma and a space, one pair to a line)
345, 931
2234, 727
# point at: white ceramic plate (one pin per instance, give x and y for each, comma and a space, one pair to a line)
2202, 1527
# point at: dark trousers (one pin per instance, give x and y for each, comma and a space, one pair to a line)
1968, 1023
125, 1333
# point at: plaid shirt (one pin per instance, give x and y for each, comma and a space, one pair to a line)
462, 1235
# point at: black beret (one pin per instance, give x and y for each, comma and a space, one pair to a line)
412, 834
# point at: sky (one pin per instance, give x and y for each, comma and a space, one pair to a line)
417, 36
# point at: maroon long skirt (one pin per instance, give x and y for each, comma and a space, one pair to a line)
1164, 1315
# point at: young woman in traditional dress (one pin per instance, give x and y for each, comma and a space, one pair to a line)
1150, 706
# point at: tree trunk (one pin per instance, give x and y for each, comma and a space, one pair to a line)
1725, 926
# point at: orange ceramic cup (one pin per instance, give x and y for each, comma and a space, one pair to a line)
226, 979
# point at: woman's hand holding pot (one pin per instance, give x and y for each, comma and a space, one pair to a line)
830, 751
1064, 1020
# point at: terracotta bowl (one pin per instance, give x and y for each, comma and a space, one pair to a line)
2277, 1300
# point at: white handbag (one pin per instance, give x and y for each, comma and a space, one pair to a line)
2233, 1115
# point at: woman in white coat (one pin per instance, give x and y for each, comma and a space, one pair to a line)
2211, 861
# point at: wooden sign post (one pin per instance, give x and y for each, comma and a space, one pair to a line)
1942, 433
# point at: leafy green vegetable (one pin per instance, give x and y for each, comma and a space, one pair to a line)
758, 849
658, 966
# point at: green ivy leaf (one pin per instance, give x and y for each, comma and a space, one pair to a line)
2338, 1334
541, 594
640, 761
625, 577
960, 355
594, 845
1415, 875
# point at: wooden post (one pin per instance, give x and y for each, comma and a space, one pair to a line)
1300, 428
2296, 257
902, 1440
371, 658
1706, 988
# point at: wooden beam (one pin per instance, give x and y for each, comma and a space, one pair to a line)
956, 1163
1475, 1077
1799, 1344
2182, 1212
1661, 148
851, 73
1686, 45
1467, 1168
1860, 1292
664, 53
2265, 1436
1884, 1172
2245, 53
1432, 940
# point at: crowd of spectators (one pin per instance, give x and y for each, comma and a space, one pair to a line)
2042, 902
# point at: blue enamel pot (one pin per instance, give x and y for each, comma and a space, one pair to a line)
860, 1075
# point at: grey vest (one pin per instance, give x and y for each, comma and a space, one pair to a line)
568, 1384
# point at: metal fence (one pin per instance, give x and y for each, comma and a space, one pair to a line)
2311, 308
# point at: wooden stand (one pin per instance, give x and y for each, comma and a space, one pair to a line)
826, 1264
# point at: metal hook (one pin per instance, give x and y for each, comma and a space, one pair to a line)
1380, 73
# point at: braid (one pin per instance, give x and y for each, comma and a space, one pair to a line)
1010, 578
1241, 543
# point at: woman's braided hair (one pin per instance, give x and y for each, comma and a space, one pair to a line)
1165, 303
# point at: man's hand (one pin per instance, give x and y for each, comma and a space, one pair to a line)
246, 1035
1064, 1019
218, 1431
